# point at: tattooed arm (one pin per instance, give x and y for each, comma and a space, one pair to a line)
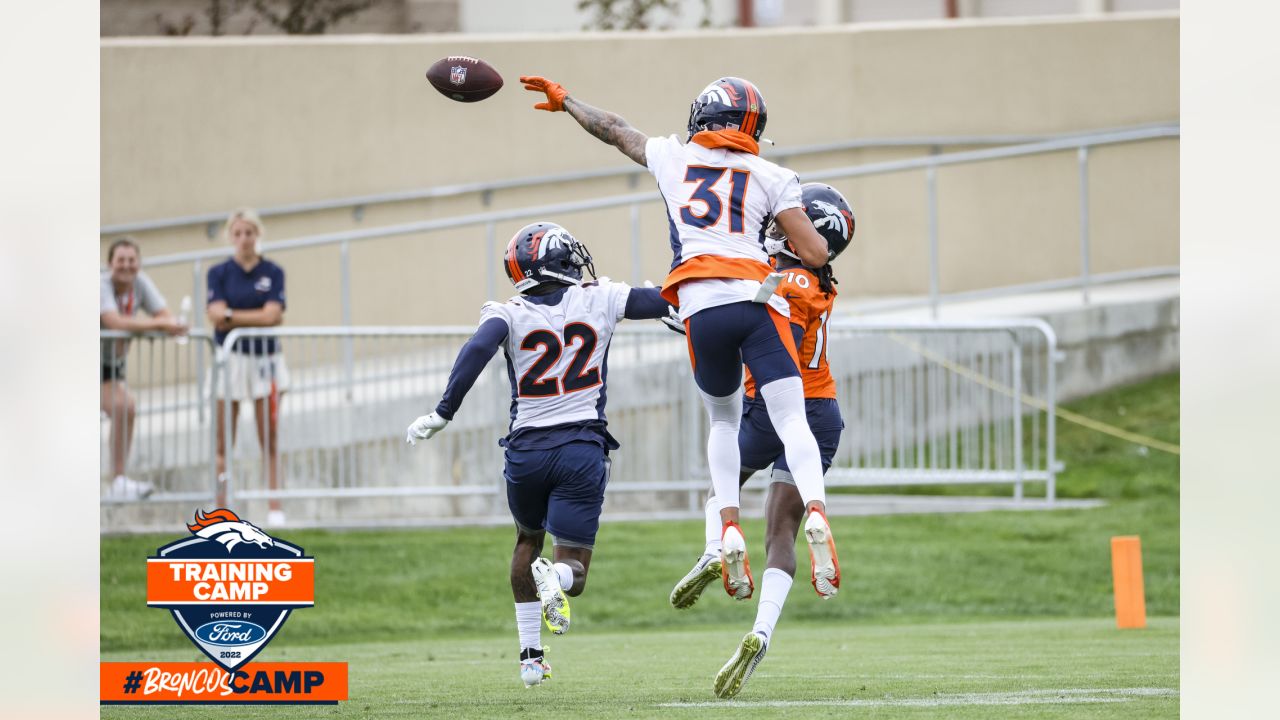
609, 127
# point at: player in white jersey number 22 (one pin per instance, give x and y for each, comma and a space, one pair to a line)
555, 336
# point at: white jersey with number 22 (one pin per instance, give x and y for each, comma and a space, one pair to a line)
556, 353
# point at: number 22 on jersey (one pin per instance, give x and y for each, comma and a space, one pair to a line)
577, 376
704, 192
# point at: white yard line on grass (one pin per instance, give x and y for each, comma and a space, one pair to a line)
1070, 696
942, 676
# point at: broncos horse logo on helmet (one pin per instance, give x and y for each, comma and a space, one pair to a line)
729, 103
544, 252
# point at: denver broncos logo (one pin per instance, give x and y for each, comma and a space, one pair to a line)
833, 218
226, 527
552, 239
715, 92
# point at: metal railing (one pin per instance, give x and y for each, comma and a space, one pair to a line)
936, 403
358, 203
946, 403
1083, 281
156, 413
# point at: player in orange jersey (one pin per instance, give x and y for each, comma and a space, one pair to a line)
811, 295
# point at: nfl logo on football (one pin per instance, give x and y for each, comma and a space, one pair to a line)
458, 75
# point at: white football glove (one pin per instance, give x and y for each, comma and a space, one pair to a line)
773, 246
672, 320
424, 427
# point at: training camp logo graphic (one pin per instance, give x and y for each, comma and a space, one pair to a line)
230, 587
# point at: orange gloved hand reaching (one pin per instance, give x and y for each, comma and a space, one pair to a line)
555, 93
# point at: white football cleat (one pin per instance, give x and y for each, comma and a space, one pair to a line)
534, 667
125, 488
555, 605
690, 587
822, 555
734, 568
737, 671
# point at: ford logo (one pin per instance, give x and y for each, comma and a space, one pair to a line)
230, 633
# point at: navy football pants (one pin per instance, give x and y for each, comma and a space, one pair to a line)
559, 489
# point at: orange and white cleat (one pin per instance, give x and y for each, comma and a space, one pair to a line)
822, 555
734, 568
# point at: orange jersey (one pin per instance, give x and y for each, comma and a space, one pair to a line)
810, 309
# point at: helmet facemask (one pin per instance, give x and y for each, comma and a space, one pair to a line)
571, 267
776, 242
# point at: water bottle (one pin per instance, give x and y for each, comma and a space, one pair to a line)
184, 317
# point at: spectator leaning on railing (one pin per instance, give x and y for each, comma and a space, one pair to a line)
248, 291
124, 290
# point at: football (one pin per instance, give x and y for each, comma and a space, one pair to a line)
465, 79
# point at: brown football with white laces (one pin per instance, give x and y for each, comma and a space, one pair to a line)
463, 78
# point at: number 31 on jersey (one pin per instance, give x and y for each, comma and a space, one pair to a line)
707, 178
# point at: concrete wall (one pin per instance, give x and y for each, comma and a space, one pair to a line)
1108, 345
201, 125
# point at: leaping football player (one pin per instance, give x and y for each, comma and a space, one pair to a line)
720, 196
811, 295
555, 335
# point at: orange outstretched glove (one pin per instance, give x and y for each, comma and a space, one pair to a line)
555, 93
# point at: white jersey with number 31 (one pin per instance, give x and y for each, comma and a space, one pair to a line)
719, 203
556, 353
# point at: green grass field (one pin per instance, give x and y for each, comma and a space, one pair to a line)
1003, 614
1016, 669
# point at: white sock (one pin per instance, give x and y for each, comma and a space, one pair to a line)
566, 576
774, 586
722, 444
714, 526
529, 623
785, 401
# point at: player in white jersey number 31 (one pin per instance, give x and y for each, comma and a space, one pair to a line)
720, 197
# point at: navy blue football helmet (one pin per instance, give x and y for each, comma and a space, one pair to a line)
729, 103
830, 214
544, 252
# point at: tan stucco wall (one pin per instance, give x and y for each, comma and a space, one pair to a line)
194, 125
